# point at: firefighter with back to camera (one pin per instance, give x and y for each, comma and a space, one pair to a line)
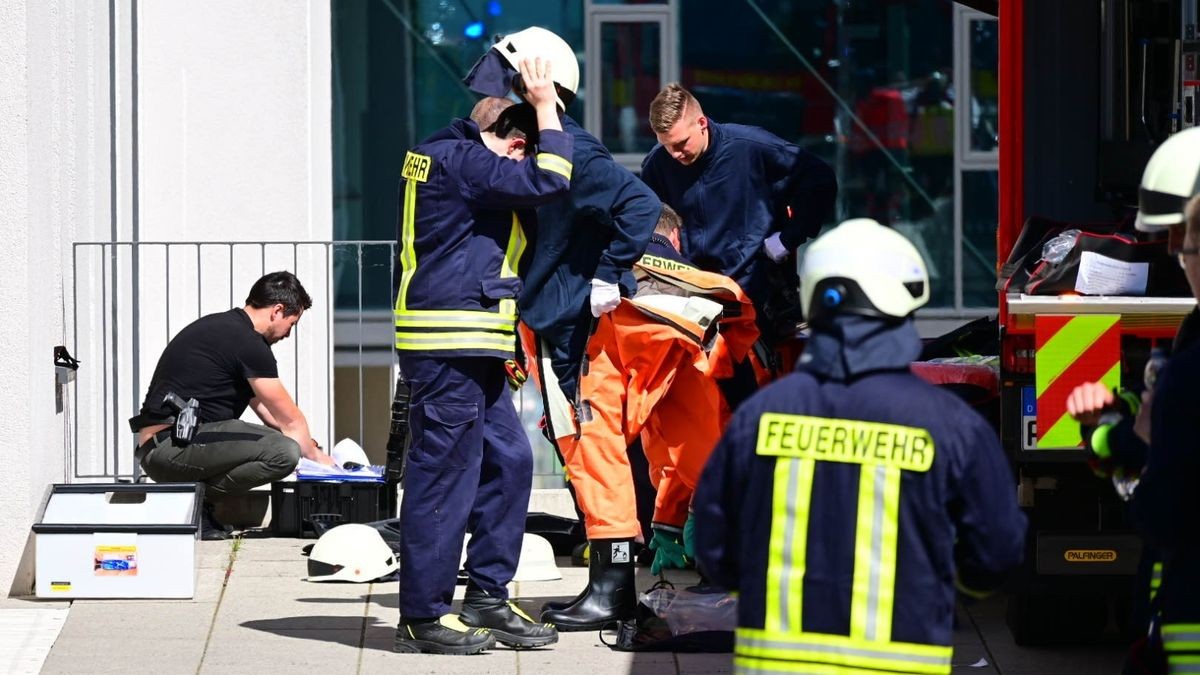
848, 501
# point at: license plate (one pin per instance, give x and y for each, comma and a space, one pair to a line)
1028, 419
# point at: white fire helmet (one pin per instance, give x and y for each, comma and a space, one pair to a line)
494, 77
350, 552
1171, 178
535, 564
861, 267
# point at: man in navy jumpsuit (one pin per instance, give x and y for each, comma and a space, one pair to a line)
749, 198
470, 465
847, 501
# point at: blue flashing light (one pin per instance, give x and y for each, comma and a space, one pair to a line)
493, 7
474, 30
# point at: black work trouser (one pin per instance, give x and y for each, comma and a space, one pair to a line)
229, 457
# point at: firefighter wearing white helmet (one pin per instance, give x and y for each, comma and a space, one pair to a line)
581, 266
1171, 178
1151, 437
350, 552
849, 501
495, 73
863, 268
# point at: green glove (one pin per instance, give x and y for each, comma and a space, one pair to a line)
689, 536
668, 552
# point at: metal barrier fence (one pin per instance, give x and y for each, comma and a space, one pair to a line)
130, 298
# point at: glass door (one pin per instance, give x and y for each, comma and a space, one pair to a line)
636, 47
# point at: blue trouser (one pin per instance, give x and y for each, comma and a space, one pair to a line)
470, 466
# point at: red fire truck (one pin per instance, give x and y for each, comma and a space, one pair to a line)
1087, 91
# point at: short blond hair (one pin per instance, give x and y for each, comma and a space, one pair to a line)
669, 106
487, 111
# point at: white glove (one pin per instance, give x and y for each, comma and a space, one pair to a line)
775, 249
605, 297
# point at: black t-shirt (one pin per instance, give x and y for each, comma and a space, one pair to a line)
210, 360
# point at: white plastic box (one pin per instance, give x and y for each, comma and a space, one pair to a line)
123, 540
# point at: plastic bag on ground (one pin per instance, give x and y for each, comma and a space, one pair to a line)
692, 611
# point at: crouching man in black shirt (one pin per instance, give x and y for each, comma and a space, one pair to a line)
224, 361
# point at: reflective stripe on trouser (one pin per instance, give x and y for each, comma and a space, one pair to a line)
470, 464
763, 651
1181, 642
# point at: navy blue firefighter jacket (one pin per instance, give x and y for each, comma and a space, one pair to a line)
846, 513
598, 232
1166, 503
461, 239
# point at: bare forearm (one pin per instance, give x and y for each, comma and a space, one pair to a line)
298, 431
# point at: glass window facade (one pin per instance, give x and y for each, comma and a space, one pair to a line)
869, 87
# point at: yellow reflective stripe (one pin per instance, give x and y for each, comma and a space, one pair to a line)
657, 262
1181, 637
512, 260
1065, 347
459, 340
556, 163
455, 319
789, 543
786, 650
1177, 663
864, 552
408, 254
875, 542
752, 666
889, 542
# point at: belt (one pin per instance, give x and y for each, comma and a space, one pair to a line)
151, 442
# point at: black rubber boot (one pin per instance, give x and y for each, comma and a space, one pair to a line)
610, 594
445, 635
510, 625
563, 604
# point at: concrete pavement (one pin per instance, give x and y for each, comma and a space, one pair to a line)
253, 614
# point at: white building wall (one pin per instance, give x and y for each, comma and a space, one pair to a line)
221, 115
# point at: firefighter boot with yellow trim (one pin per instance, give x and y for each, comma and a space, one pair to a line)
510, 625
443, 635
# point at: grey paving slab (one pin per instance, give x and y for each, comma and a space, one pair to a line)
293, 569
705, 663
378, 662
160, 620
114, 652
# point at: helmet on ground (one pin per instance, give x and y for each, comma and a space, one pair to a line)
861, 267
350, 552
536, 562
1171, 178
495, 73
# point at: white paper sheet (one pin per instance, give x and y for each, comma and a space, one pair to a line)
1101, 275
